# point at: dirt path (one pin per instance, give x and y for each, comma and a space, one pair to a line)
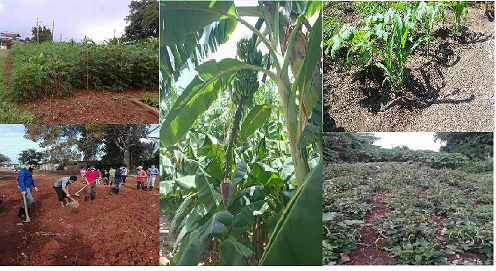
112, 230
368, 251
453, 93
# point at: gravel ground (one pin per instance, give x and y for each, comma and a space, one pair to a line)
455, 92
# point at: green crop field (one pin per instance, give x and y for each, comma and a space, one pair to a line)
57, 68
429, 215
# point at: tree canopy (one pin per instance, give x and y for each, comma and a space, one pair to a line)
474, 145
43, 34
4, 159
142, 20
113, 144
30, 155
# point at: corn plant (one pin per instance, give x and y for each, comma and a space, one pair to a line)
388, 36
460, 8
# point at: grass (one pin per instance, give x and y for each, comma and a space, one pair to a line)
150, 99
9, 111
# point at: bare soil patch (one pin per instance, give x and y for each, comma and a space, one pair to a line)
453, 90
111, 230
94, 107
368, 250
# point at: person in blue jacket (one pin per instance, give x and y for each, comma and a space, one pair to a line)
25, 183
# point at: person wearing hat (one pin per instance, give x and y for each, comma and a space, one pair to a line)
91, 176
140, 178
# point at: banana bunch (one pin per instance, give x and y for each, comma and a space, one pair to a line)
243, 48
246, 82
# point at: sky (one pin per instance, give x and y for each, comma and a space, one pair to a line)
229, 48
12, 140
74, 19
415, 141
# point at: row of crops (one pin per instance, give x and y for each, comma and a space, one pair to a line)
433, 215
57, 68
390, 33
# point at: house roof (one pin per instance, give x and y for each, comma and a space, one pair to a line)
10, 35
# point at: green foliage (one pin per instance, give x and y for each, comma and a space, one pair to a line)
420, 252
253, 200
274, 173
388, 34
142, 21
391, 37
4, 159
477, 146
367, 8
9, 112
41, 34
30, 155
430, 212
57, 68
298, 249
340, 236
150, 99
460, 9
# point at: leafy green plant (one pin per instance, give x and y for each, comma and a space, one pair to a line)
419, 252
9, 112
387, 36
57, 68
460, 8
150, 99
288, 194
340, 236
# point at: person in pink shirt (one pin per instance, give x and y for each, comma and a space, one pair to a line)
140, 178
82, 171
91, 176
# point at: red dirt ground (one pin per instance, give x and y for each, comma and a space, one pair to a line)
112, 230
94, 107
368, 250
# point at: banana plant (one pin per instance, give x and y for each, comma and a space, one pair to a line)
294, 49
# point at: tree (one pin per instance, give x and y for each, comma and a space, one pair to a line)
346, 146
69, 142
43, 34
123, 138
142, 20
474, 145
292, 63
4, 159
30, 155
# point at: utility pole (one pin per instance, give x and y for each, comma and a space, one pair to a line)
60, 38
53, 27
37, 32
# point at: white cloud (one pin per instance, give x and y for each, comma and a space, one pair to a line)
12, 141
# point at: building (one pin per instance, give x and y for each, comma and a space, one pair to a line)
8, 39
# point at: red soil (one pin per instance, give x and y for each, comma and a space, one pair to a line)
111, 230
94, 107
